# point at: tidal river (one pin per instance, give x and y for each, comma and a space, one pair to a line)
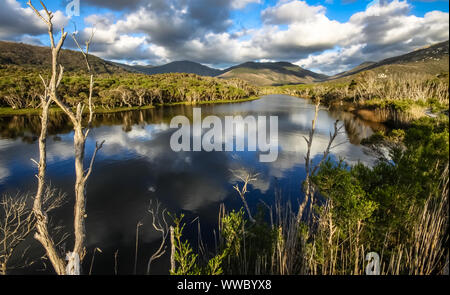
137, 165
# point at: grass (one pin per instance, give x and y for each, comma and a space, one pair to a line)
13, 112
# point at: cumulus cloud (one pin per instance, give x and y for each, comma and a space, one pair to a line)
160, 31
17, 22
291, 12
382, 31
334, 61
114, 4
239, 4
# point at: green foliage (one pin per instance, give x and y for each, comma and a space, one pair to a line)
214, 266
395, 93
246, 244
360, 209
350, 202
383, 195
185, 258
232, 231
376, 138
21, 87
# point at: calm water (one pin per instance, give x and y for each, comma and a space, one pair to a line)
137, 165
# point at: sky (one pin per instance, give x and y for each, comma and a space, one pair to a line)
327, 36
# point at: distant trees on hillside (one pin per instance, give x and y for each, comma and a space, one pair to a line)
20, 88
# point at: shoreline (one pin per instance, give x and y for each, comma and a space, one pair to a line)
7, 111
388, 114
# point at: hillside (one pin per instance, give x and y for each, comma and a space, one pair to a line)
431, 60
132, 68
355, 70
272, 74
24, 55
187, 67
116, 85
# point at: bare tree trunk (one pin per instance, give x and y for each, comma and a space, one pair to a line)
311, 171
247, 179
42, 233
80, 138
172, 249
79, 210
307, 185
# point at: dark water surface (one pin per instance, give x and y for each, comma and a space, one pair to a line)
137, 165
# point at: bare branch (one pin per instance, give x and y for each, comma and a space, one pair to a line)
307, 185
97, 148
43, 82
329, 147
61, 73
86, 52
247, 178
17, 222
160, 224
38, 13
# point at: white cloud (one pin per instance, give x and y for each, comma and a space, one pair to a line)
162, 31
382, 32
239, 4
4, 173
288, 12
16, 21
333, 61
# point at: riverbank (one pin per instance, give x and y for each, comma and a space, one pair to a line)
398, 100
5, 112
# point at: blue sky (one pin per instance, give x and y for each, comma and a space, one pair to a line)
327, 36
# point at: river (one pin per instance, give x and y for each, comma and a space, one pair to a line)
137, 165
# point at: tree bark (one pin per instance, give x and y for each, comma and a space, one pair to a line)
42, 234
80, 137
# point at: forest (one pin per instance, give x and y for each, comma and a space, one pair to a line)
21, 87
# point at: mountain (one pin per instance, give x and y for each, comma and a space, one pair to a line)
431, 60
355, 70
188, 67
38, 57
132, 68
271, 74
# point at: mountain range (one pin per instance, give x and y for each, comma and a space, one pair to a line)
433, 59
430, 60
188, 67
269, 74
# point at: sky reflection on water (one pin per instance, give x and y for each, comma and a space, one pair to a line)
137, 165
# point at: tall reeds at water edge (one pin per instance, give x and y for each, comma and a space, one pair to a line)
397, 97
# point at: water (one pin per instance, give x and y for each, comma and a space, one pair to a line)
137, 165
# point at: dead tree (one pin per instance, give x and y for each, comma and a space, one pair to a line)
246, 178
160, 224
42, 232
306, 185
16, 223
80, 137
82, 175
311, 171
